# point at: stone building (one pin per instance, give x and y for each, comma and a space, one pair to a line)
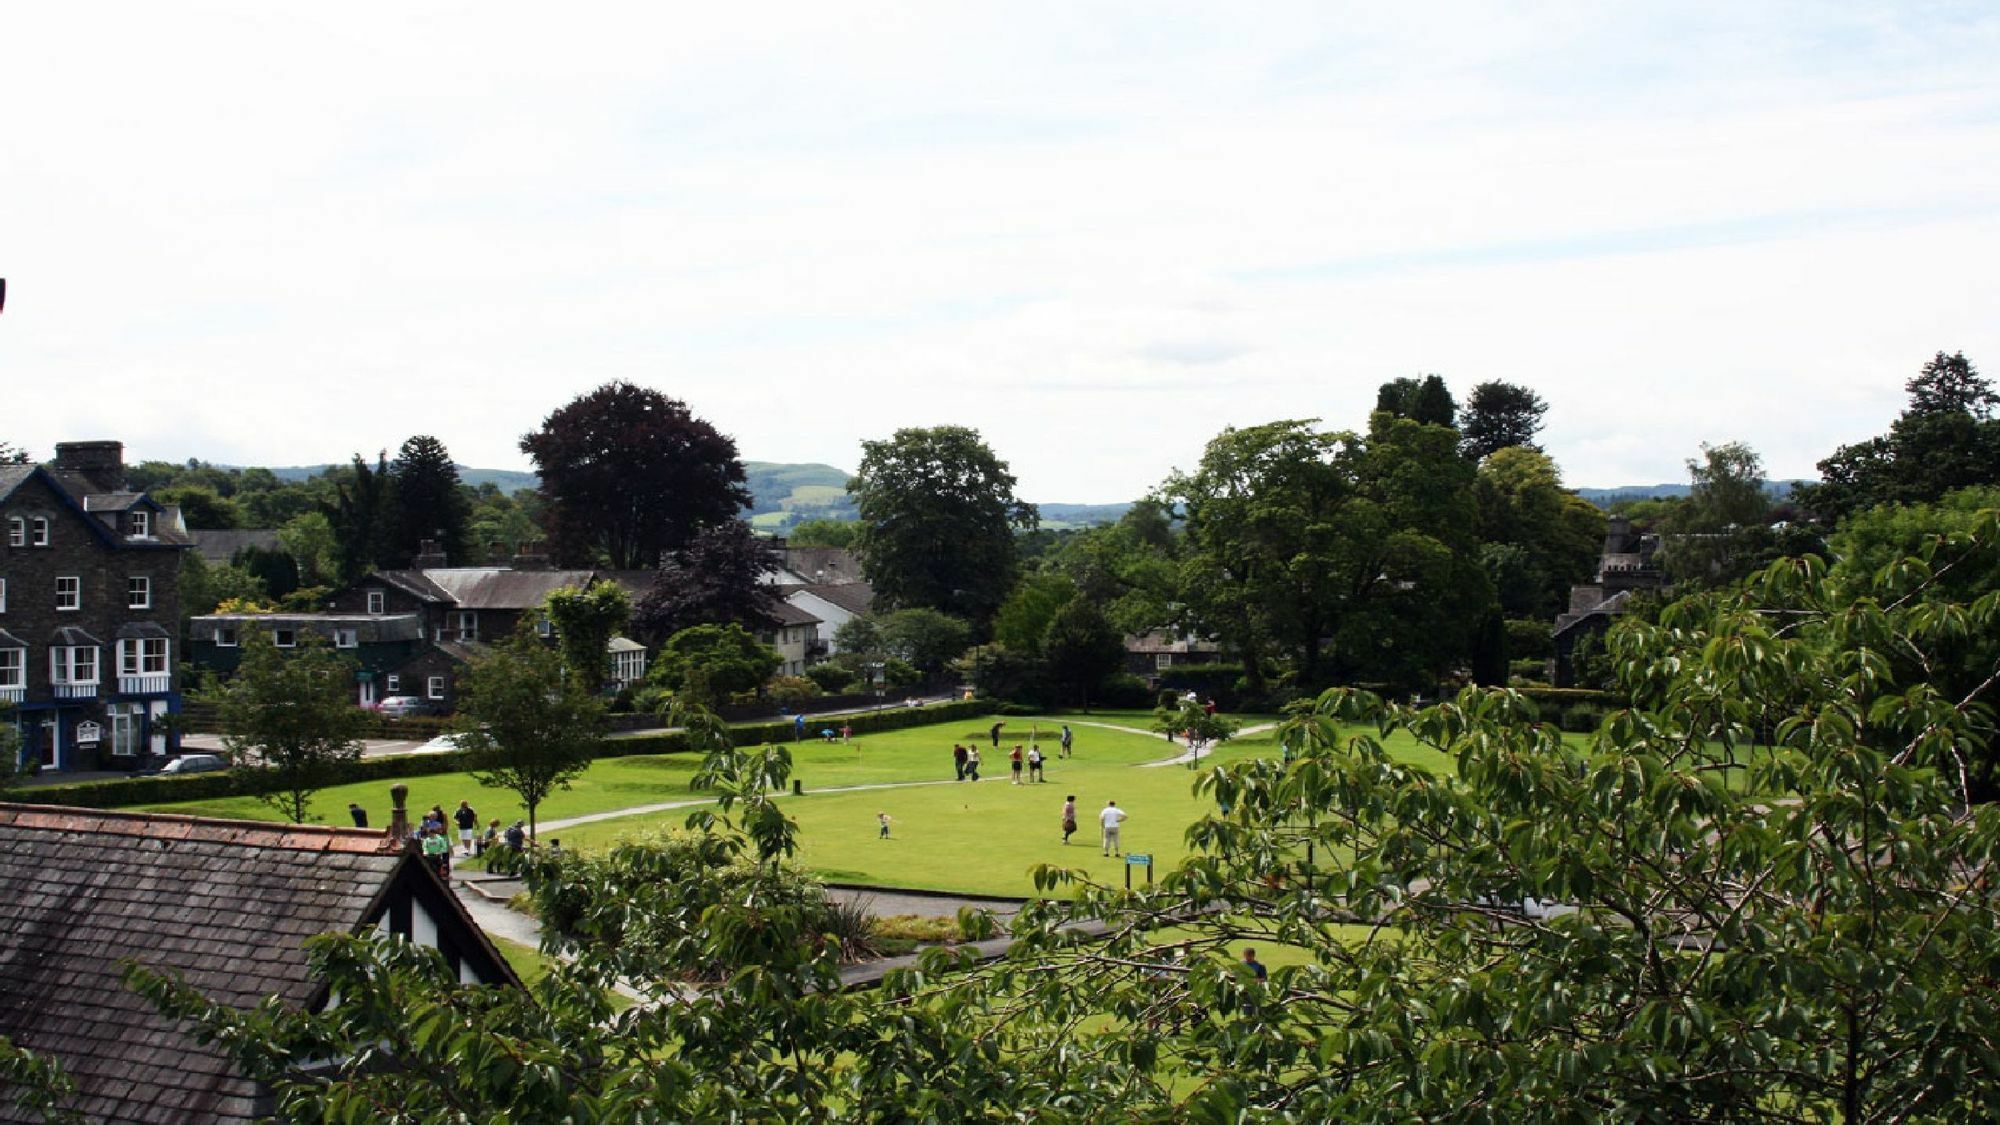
89, 610
1629, 564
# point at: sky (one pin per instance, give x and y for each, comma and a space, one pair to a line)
1098, 233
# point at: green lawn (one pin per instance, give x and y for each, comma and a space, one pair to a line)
947, 835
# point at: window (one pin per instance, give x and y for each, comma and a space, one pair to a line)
138, 592
142, 525
468, 625
376, 602
13, 668
225, 636
628, 667
17, 531
285, 638
3, 595
41, 530
437, 687
392, 683
544, 628
69, 593
124, 729
346, 638
73, 664
1163, 660
146, 656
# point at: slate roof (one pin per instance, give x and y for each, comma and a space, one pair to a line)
831, 565
11, 477
785, 613
217, 547
224, 903
854, 597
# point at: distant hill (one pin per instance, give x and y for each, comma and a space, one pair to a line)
781, 494
1606, 497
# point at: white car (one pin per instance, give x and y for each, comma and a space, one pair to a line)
196, 763
399, 706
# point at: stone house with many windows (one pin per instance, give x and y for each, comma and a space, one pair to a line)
89, 605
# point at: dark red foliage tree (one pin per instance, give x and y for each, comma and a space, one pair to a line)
722, 577
629, 474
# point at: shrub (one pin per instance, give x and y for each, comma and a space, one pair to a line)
1125, 691
1220, 682
831, 678
790, 691
1582, 718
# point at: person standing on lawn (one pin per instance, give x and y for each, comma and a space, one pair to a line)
1014, 762
467, 821
1109, 820
958, 760
996, 733
882, 820
1066, 736
1069, 818
1035, 764
972, 763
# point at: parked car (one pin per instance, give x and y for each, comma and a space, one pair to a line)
191, 763
401, 706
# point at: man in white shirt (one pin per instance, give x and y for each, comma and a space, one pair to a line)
1110, 819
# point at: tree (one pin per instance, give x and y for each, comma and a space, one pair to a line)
1537, 538
938, 514
430, 502
1081, 650
11, 454
706, 664
1717, 533
722, 576
11, 765
1130, 568
202, 507
926, 639
585, 621
1024, 617
291, 713
1944, 440
1498, 415
1425, 400
362, 514
629, 474
524, 725
822, 533
1295, 537
308, 538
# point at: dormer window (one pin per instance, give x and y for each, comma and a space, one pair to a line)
17, 531
142, 525
39, 527
376, 600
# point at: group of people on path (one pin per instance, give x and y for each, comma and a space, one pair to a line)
965, 758
432, 834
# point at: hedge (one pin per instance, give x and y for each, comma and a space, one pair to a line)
119, 793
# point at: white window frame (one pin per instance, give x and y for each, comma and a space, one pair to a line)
1163, 660
17, 531
138, 592
13, 668
3, 595
225, 636
39, 525
391, 684
144, 656
124, 729
346, 637
142, 524
435, 687
65, 662
285, 638
378, 603
71, 593
629, 666
468, 624
544, 628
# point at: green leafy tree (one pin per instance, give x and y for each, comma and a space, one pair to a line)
31, 1082
291, 713
1427, 400
1537, 538
11, 454
501, 525
628, 474
707, 664
10, 749
1498, 416
1720, 532
362, 513
924, 638
430, 501
938, 514
1081, 650
1946, 439
526, 727
585, 621
201, 507
823, 533
308, 538
1024, 617
1131, 568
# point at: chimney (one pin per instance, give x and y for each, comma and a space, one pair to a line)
429, 556
529, 556
102, 463
399, 815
